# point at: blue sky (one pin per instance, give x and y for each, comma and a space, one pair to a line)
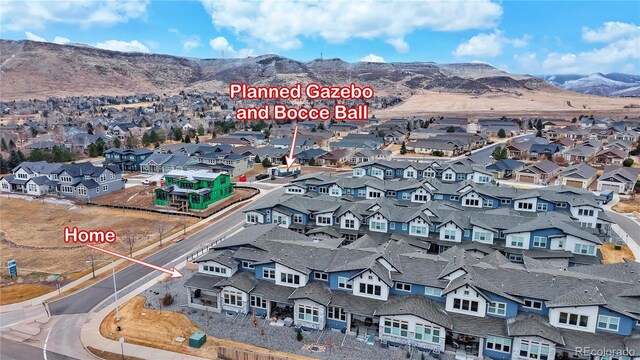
536, 37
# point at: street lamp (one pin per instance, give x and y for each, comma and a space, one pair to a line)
115, 289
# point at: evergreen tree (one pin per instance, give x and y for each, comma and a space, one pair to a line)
153, 136
256, 160
146, 139
628, 162
132, 142
539, 133
502, 134
4, 165
197, 139
117, 143
451, 129
3, 145
177, 134
36, 155
312, 162
12, 145
403, 148
187, 139
200, 129
499, 153
266, 163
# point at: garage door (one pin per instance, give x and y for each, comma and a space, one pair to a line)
575, 183
527, 178
614, 188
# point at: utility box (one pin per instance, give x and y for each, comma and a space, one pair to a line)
197, 340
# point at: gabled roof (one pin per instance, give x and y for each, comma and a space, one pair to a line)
416, 305
528, 324
317, 291
586, 295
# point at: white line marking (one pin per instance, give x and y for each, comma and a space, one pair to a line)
44, 348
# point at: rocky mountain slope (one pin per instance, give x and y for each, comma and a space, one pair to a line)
612, 84
34, 69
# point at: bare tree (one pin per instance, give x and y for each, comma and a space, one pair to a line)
130, 239
90, 255
161, 228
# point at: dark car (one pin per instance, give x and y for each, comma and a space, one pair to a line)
261, 176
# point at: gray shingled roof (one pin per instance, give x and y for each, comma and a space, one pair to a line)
244, 281
417, 305
587, 295
528, 324
317, 291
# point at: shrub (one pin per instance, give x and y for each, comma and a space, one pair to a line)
627, 162
167, 299
299, 336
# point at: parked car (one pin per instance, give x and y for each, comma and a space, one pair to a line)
261, 176
146, 182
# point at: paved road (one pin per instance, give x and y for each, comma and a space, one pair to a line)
85, 300
20, 351
629, 226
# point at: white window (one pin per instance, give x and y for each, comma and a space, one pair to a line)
113, 176
323, 190
427, 333
410, 173
465, 305
396, 328
82, 191
497, 343
585, 249
481, 236
103, 177
573, 319
335, 191
403, 286
374, 194
542, 207
290, 278
432, 291
561, 205
471, 202
497, 308
534, 350
247, 265
450, 234
309, 313
421, 197
487, 203
65, 178
505, 201
540, 241
324, 220
233, 298
585, 212
297, 218
336, 313
454, 198
418, 230
378, 225
448, 176
370, 289
33, 187
105, 187
525, 206
268, 273
517, 241
257, 301
392, 225
438, 197
252, 218
344, 283
532, 304
608, 323
320, 276
430, 173
349, 223
406, 196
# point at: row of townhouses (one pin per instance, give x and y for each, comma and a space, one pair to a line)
387, 289
83, 181
561, 223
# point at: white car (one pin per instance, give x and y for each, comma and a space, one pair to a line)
146, 182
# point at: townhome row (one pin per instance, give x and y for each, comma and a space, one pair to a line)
83, 181
389, 290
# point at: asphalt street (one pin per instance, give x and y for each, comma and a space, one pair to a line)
86, 299
19, 351
629, 226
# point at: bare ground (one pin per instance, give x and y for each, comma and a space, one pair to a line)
33, 232
530, 103
612, 256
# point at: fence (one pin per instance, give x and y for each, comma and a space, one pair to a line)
230, 353
205, 249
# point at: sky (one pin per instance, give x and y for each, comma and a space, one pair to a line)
532, 37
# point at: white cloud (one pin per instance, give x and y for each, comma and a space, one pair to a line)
190, 42
489, 45
61, 40
372, 58
16, 15
399, 44
221, 44
610, 31
33, 37
283, 23
124, 46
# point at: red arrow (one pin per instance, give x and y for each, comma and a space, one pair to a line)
290, 159
173, 271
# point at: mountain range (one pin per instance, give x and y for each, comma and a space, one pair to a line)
612, 84
37, 69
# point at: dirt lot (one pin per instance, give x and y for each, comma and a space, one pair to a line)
531, 103
142, 197
159, 328
627, 205
612, 256
31, 232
